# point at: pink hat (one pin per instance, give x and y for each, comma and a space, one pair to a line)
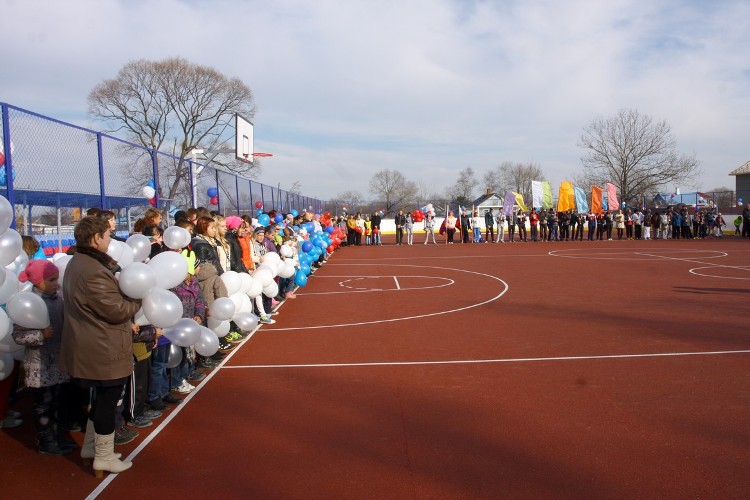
233, 222
38, 270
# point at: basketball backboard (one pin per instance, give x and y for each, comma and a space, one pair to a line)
244, 139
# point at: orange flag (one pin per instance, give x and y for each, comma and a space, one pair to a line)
596, 199
566, 198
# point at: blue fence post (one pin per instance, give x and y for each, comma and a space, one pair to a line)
100, 157
262, 198
8, 163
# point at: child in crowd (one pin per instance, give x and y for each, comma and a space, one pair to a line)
189, 293
43, 375
155, 235
144, 338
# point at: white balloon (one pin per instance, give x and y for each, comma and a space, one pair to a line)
6, 214
236, 298
7, 365
175, 356
247, 282
140, 245
263, 275
19, 263
2, 276
10, 246
271, 258
162, 308
270, 267
28, 310
184, 333
25, 286
4, 326
246, 304
114, 250
9, 287
287, 251
280, 265
271, 290
140, 318
137, 280
223, 308
246, 321
19, 354
61, 260
126, 256
171, 269
256, 288
288, 270
232, 281
176, 237
208, 343
220, 328
149, 192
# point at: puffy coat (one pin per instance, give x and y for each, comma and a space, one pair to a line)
97, 339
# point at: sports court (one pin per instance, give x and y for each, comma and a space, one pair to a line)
614, 369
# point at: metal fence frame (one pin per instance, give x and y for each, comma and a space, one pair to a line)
97, 170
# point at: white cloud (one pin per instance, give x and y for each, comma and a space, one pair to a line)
427, 87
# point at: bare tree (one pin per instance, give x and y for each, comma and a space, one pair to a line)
352, 200
493, 180
392, 189
517, 177
635, 153
464, 190
173, 106
295, 188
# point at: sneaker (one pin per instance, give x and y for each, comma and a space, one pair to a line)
171, 400
14, 414
267, 321
224, 344
183, 388
234, 337
157, 404
140, 421
196, 376
274, 302
10, 422
291, 295
207, 363
151, 414
218, 355
124, 435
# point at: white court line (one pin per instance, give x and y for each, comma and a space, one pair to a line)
502, 360
172, 415
398, 287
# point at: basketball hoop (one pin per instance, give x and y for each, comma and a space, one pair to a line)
244, 158
262, 155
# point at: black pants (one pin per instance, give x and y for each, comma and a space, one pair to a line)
142, 376
489, 234
104, 405
399, 235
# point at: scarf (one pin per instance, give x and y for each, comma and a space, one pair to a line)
101, 257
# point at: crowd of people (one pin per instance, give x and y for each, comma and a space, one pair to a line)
551, 225
95, 369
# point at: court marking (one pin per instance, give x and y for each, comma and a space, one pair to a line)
505, 289
621, 254
499, 360
351, 289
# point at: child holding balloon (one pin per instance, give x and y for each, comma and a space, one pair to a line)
43, 375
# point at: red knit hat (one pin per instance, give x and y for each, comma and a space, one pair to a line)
38, 270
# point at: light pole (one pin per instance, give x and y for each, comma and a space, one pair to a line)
194, 171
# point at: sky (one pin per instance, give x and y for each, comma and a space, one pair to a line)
344, 89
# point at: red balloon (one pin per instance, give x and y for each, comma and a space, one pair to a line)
331, 248
214, 200
2, 159
152, 202
258, 204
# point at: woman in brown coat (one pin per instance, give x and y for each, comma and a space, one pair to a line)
97, 349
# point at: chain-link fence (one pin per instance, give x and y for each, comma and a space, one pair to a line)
52, 172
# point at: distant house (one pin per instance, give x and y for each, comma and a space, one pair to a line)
487, 201
742, 182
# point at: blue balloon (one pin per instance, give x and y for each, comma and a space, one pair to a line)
294, 213
150, 183
329, 229
264, 219
212, 191
258, 212
4, 177
307, 246
300, 278
278, 218
310, 227
305, 269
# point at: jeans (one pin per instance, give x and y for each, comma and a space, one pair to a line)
158, 386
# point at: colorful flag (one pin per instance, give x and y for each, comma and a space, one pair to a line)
566, 197
596, 199
612, 202
520, 203
510, 200
537, 194
582, 205
547, 195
